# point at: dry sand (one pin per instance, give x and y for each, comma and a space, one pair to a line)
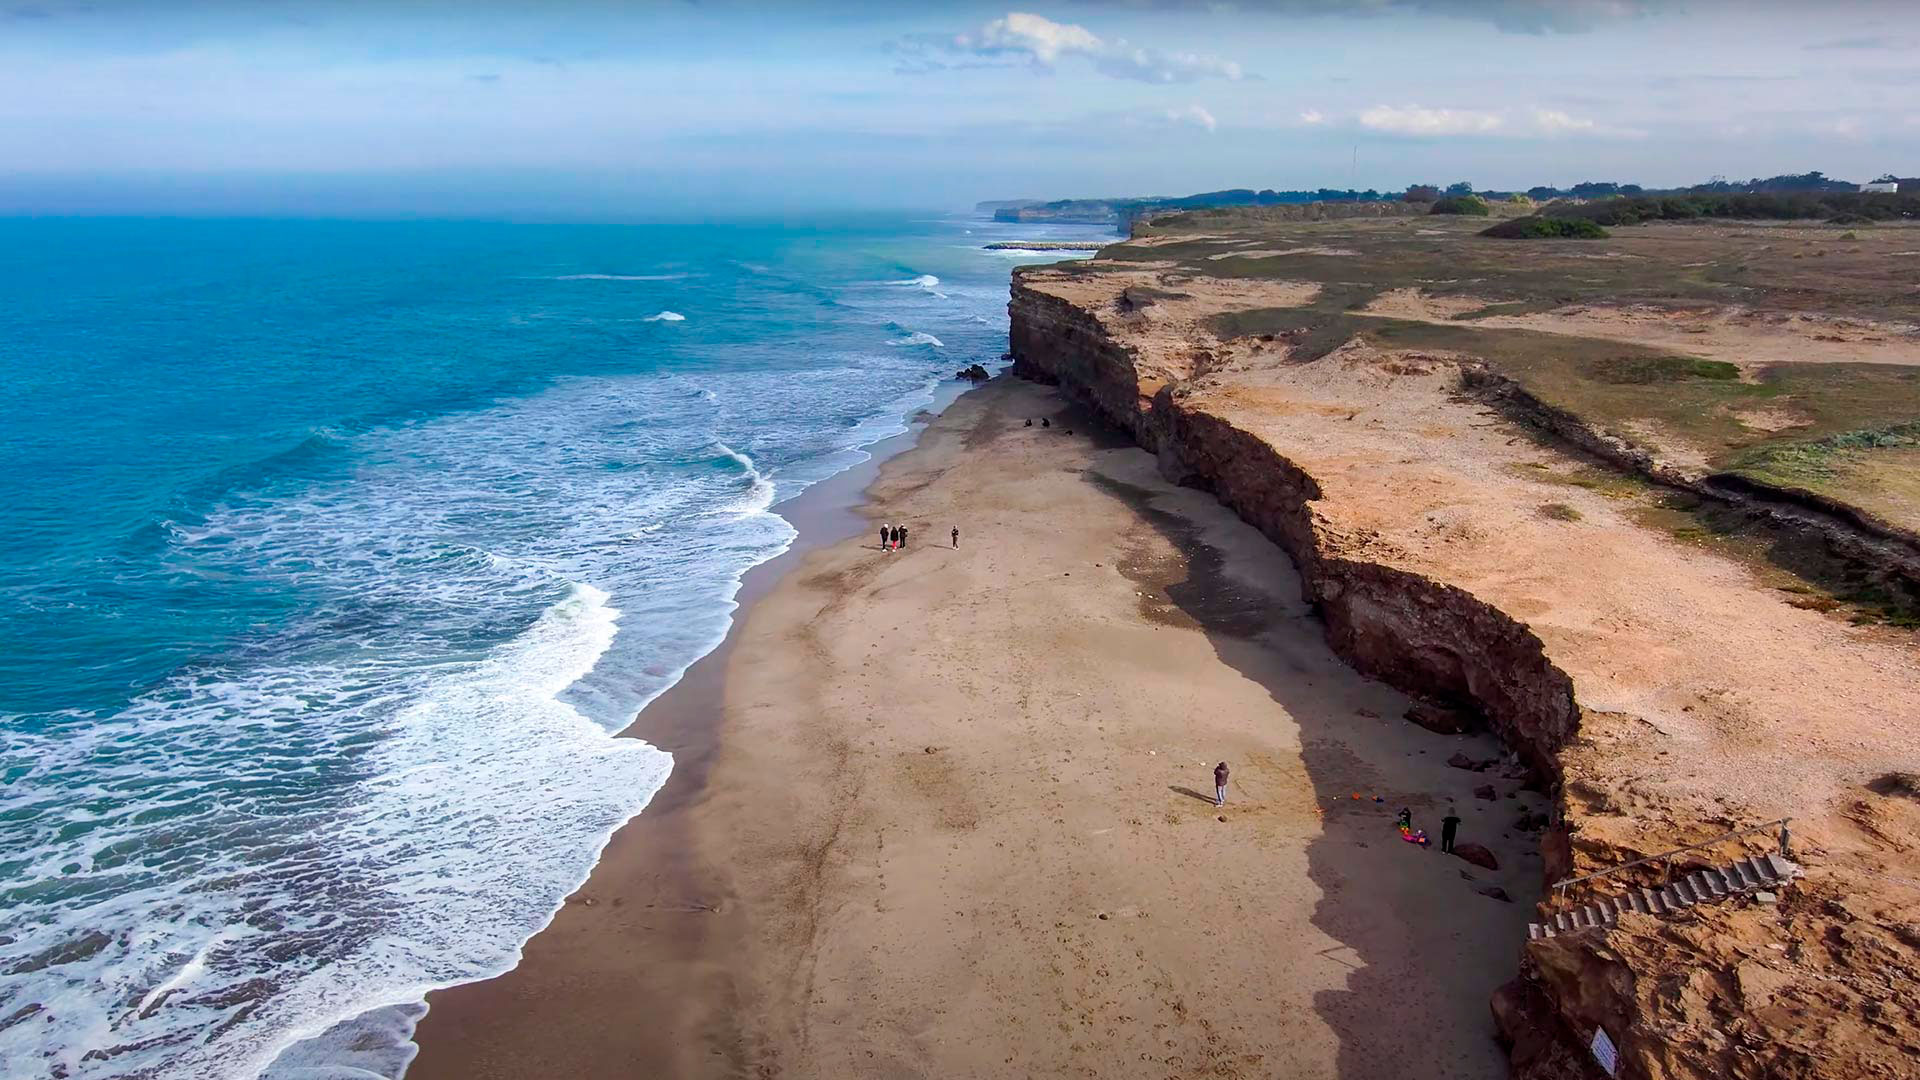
1750, 339
957, 819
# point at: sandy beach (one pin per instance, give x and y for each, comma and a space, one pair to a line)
948, 812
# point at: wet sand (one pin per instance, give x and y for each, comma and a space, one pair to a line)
948, 812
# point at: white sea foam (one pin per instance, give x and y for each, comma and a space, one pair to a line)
283, 848
761, 489
621, 277
919, 338
298, 922
1038, 255
666, 316
924, 282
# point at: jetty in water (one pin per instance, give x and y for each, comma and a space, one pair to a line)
1048, 245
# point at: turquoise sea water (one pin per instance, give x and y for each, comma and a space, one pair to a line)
332, 554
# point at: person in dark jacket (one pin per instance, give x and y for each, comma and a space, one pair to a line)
956, 537
886, 534
1448, 826
1220, 784
903, 536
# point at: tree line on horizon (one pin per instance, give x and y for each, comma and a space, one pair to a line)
1461, 196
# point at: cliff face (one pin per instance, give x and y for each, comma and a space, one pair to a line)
1429, 639
1058, 343
1326, 460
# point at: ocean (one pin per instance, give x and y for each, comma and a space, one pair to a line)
333, 555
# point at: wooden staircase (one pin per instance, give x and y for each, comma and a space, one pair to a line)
1737, 878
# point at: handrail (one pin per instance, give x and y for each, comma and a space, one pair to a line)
1665, 855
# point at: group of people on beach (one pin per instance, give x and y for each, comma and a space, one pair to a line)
893, 537
1449, 825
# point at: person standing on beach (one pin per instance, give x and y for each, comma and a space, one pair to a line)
1220, 784
886, 534
1448, 826
903, 536
956, 538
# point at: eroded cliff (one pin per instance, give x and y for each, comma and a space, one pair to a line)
1661, 691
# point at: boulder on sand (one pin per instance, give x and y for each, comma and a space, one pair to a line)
1438, 718
1485, 791
1476, 854
973, 373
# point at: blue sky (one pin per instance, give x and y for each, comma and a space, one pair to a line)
636, 110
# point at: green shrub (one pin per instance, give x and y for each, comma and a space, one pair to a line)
1546, 228
1840, 207
1470, 205
1645, 370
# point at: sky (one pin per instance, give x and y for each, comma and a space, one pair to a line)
591, 110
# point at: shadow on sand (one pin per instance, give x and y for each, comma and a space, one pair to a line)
1190, 793
1412, 1004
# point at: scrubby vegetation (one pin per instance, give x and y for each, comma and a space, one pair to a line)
1841, 206
1805, 464
1645, 369
1470, 205
1546, 228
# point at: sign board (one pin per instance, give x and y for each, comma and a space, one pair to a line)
1604, 1052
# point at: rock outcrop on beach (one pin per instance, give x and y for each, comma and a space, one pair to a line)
1641, 524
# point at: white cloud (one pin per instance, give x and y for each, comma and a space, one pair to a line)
1044, 43
1041, 38
1417, 121
1414, 120
1198, 116
1312, 116
1555, 122
1192, 114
